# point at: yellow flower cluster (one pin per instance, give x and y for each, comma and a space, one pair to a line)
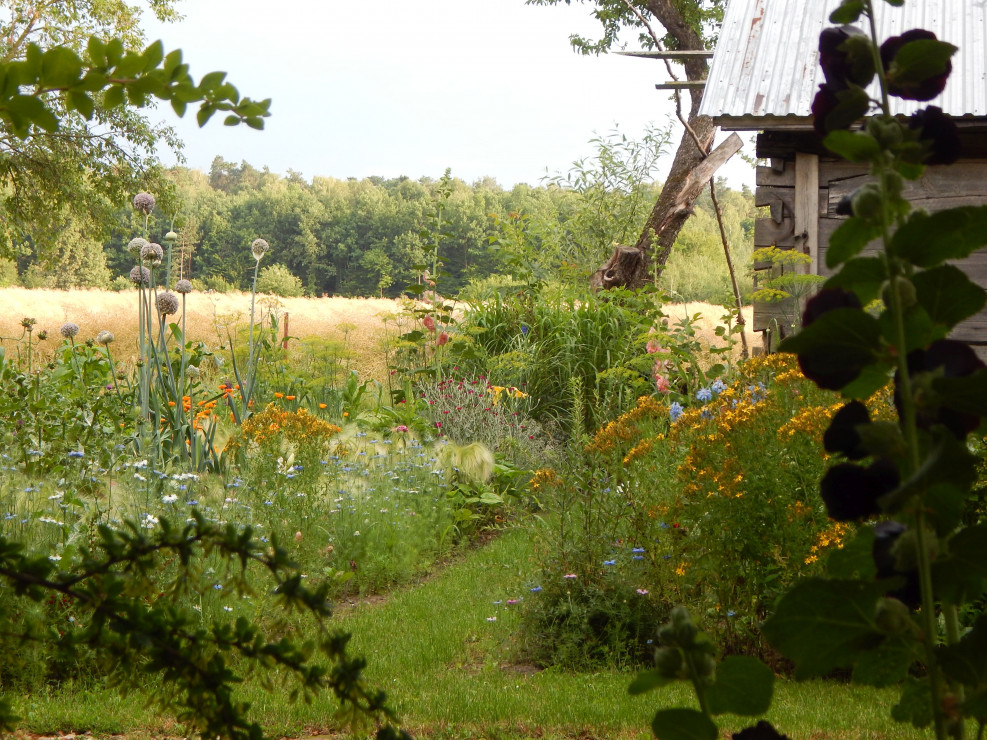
798, 510
508, 391
295, 426
622, 428
774, 363
812, 420
544, 477
827, 539
725, 479
642, 448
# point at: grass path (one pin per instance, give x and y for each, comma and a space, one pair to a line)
449, 673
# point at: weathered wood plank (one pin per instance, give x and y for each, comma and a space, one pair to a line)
768, 233
806, 211
784, 199
776, 143
770, 177
965, 183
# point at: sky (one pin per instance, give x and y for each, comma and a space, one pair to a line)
488, 88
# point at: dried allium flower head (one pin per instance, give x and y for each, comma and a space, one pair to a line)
183, 286
144, 202
167, 304
140, 276
152, 254
69, 330
136, 246
28, 323
258, 248
104, 337
192, 371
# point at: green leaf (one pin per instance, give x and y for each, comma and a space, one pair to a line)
849, 239
966, 661
60, 67
919, 328
204, 114
153, 55
927, 241
919, 60
211, 80
113, 97
948, 295
743, 686
915, 705
683, 724
822, 625
81, 102
855, 560
976, 705
854, 146
853, 104
968, 393
962, 575
848, 12
647, 681
864, 276
887, 664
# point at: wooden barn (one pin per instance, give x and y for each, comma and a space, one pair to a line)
763, 77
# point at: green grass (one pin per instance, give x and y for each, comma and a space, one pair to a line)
451, 673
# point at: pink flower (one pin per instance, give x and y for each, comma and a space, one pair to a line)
570, 576
442, 339
400, 428
429, 323
642, 591
661, 383
654, 348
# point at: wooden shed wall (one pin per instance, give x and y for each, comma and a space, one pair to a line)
802, 178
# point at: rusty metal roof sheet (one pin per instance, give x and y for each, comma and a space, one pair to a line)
766, 67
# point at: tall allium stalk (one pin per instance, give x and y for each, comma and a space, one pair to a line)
258, 249
141, 276
105, 338
183, 288
68, 331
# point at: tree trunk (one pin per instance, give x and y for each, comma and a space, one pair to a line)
668, 216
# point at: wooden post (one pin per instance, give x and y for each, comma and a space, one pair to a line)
284, 343
806, 210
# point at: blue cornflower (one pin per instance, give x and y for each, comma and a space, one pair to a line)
731, 613
675, 411
536, 589
524, 330
217, 586
638, 557
704, 394
663, 525
718, 386
76, 454
609, 562
637, 549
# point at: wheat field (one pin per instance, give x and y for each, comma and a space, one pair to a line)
362, 325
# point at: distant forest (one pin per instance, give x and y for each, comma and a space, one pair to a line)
370, 237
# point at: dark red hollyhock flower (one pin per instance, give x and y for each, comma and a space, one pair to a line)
885, 536
823, 104
835, 61
954, 359
826, 300
763, 730
842, 435
940, 131
927, 88
850, 491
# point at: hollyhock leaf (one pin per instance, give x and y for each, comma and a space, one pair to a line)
825, 301
647, 681
743, 686
920, 330
835, 348
840, 109
929, 240
822, 625
885, 665
962, 575
848, 12
854, 146
918, 60
683, 724
949, 466
915, 705
849, 239
966, 394
862, 276
854, 561
948, 295
964, 661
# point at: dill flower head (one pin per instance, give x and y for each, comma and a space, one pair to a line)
152, 254
136, 246
167, 304
258, 248
183, 286
144, 202
69, 330
104, 337
140, 276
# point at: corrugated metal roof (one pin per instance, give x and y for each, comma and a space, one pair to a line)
766, 64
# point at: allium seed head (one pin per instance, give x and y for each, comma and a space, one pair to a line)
104, 337
192, 371
144, 202
152, 254
183, 286
69, 330
258, 248
140, 276
167, 304
136, 246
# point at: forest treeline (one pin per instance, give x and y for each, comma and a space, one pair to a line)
371, 237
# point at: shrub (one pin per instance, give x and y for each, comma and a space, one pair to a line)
277, 280
215, 283
8, 273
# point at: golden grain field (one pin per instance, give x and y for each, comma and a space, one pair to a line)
363, 324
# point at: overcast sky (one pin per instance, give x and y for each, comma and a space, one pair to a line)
411, 87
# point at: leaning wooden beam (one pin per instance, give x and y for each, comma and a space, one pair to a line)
628, 266
681, 85
680, 56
